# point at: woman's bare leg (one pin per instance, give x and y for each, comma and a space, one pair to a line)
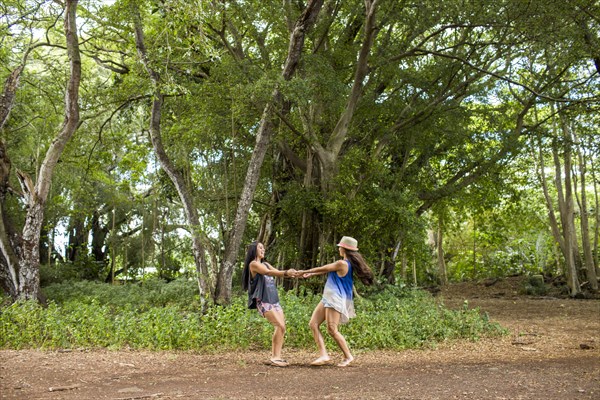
277, 319
317, 318
333, 320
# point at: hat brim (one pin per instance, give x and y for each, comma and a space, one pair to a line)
347, 247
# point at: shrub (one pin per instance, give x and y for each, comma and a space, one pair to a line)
534, 286
182, 293
159, 316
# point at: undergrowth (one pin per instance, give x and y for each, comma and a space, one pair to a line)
165, 316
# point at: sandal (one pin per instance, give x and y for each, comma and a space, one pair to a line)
278, 362
320, 361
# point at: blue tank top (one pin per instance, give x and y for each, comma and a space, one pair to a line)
341, 285
338, 294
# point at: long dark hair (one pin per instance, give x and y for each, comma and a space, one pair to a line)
250, 256
360, 266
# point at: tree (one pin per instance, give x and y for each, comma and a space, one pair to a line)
294, 126
176, 177
222, 289
21, 256
263, 136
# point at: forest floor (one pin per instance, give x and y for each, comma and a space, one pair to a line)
552, 352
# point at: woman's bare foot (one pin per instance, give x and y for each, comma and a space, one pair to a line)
321, 361
346, 362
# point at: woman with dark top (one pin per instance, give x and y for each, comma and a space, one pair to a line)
337, 305
257, 279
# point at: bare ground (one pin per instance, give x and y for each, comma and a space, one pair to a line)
553, 352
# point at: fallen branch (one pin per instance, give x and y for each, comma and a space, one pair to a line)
146, 396
62, 388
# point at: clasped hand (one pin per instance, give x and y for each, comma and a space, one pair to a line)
299, 274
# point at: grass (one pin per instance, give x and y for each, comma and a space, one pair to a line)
165, 316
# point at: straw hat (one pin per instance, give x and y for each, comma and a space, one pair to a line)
348, 243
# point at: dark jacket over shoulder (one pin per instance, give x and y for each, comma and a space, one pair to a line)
262, 288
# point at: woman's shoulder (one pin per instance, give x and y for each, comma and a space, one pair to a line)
255, 264
260, 265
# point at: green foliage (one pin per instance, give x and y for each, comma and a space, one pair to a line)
160, 316
534, 286
509, 235
431, 130
413, 320
180, 293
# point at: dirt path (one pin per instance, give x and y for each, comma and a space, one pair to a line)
553, 352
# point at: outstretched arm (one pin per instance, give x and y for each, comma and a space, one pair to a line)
268, 269
339, 265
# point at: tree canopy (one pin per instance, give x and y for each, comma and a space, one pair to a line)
175, 132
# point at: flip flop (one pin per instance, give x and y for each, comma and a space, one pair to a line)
320, 361
345, 363
278, 362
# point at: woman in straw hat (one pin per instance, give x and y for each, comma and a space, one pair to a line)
257, 279
337, 305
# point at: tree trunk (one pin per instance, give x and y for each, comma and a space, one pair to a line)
565, 205
29, 268
184, 192
414, 273
564, 235
597, 218
22, 256
263, 137
77, 237
586, 242
328, 155
390, 266
440, 253
404, 266
549, 203
9, 264
563, 208
99, 234
8, 97
312, 219
474, 247
9, 261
